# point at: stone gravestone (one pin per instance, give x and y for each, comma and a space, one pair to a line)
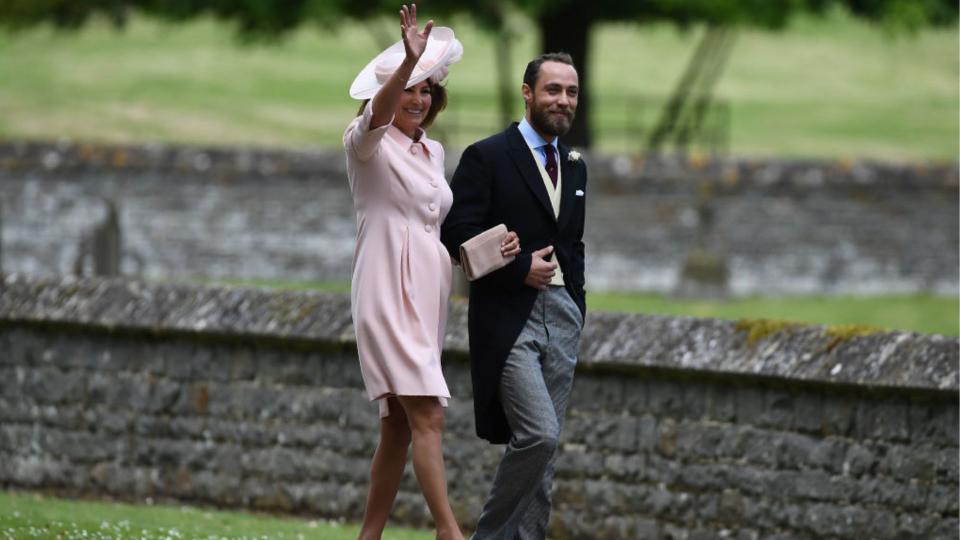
704, 273
101, 246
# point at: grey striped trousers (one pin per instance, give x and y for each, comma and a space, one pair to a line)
534, 390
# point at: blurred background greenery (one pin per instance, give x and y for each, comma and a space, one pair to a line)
832, 86
834, 79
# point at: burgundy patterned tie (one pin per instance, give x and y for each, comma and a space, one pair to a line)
551, 163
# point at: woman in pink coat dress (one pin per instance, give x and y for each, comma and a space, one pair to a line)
401, 271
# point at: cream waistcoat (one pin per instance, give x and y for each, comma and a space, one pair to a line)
554, 194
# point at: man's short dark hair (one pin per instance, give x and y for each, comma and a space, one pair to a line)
533, 68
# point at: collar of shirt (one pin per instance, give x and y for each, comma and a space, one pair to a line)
415, 145
535, 141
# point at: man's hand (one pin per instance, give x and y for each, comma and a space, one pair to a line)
541, 270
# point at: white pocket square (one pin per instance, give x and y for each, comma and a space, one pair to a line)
579, 193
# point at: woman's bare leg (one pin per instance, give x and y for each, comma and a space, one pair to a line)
425, 416
386, 471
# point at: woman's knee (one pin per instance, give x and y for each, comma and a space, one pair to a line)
425, 414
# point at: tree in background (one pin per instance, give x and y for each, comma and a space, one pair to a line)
563, 25
566, 25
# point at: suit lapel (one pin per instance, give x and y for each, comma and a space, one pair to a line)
523, 159
567, 187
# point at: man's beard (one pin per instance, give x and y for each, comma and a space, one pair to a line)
548, 123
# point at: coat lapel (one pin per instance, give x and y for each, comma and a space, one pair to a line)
567, 187
523, 159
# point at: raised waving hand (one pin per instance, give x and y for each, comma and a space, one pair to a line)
414, 41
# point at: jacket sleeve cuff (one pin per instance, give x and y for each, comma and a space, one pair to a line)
519, 268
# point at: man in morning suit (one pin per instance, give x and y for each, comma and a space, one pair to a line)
525, 318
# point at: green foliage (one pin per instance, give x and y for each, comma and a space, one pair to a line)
18, 14
273, 18
895, 14
253, 19
904, 14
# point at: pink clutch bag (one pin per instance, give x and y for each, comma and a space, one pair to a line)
480, 255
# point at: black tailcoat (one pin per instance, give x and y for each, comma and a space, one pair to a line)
497, 181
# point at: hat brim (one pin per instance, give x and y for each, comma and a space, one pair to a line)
442, 46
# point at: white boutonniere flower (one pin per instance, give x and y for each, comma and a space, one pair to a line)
573, 156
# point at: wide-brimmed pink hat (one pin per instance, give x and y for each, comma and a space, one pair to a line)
442, 50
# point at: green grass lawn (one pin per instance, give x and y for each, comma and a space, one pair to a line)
833, 87
916, 313
29, 516
925, 314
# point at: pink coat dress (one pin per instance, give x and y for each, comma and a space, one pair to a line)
401, 272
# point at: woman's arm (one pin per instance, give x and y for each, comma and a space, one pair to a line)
414, 42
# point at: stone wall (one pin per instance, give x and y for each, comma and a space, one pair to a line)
677, 428
777, 227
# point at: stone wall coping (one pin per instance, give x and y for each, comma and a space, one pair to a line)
613, 172
848, 356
